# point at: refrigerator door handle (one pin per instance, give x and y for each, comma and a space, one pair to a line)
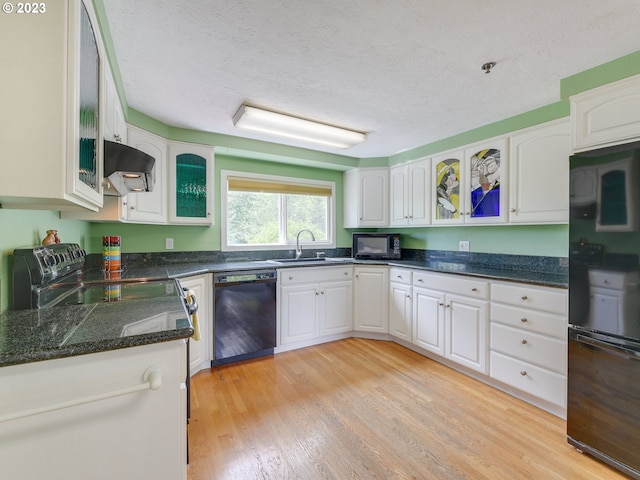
614, 349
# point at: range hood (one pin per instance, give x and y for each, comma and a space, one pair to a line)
127, 170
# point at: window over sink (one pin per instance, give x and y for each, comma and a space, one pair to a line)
266, 212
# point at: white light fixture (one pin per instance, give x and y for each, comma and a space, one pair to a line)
264, 121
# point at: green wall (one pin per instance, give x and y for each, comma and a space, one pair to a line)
150, 238
25, 227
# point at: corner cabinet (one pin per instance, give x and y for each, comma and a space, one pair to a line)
606, 116
409, 184
52, 145
539, 174
371, 298
191, 175
366, 197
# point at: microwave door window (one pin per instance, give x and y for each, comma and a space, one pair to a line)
372, 246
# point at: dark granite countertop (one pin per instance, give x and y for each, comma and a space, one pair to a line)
548, 279
34, 335
69, 330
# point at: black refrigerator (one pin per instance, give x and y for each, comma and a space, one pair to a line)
603, 397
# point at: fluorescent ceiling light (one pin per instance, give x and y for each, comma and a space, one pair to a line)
263, 121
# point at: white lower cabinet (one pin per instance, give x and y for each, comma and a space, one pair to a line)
400, 304
200, 350
529, 339
314, 302
371, 298
450, 315
102, 432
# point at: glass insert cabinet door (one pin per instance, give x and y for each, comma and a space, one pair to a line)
484, 175
191, 183
447, 188
89, 115
191, 186
467, 185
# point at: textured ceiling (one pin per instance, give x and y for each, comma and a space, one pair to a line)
408, 72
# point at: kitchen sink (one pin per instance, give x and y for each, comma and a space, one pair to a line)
305, 260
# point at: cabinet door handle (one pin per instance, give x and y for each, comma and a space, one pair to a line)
346, 273
513, 210
523, 341
408, 296
317, 292
524, 320
290, 277
524, 297
447, 305
441, 304
474, 289
523, 373
399, 276
420, 280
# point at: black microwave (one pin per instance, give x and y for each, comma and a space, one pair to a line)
376, 246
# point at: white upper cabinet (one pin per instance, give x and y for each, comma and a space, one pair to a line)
468, 186
190, 184
409, 198
149, 207
607, 115
51, 144
539, 174
366, 197
115, 127
485, 192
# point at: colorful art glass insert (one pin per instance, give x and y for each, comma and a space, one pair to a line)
485, 183
448, 189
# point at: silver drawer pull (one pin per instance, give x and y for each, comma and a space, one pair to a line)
474, 289
399, 276
290, 277
523, 341
524, 320
420, 280
441, 304
523, 373
524, 297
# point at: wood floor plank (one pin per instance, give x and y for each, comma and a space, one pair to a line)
367, 409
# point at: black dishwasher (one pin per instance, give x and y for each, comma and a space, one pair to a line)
244, 320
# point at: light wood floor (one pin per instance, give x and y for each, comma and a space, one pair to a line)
367, 409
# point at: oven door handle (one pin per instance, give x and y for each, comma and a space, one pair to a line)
192, 309
614, 349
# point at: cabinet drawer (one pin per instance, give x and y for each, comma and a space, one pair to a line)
607, 279
530, 320
288, 276
400, 275
534, 380
548, 299
546, 352
452, 284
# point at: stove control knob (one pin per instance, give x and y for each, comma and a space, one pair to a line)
49, 260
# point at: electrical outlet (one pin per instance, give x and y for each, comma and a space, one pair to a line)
168, 243
464, 246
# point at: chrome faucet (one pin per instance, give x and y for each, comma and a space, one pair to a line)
298, 247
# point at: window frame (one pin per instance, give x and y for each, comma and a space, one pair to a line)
304, 239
